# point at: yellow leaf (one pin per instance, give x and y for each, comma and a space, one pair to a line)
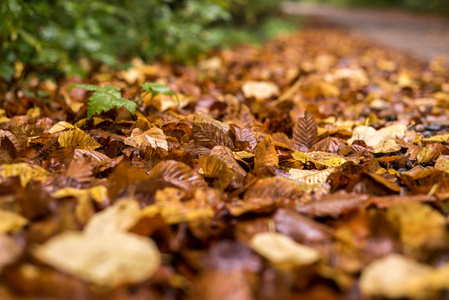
386, 146
320, 159
61, 126
436, 139
168, 204
84, 209
77, 139
417, 223
442, 163
308, 177
107, 260
280, 249
25, 171
119, 217
395, 276
11, 221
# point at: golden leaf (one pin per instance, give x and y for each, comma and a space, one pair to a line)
25, 171
84, 209
436, 139
395, 276
77, 139
119, 217
11, 221
280, 249
168, 204
320, 159
155, 137
442, 163
61, 126
107, 260
417, 223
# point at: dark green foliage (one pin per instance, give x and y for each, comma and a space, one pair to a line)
155, 88
52, 38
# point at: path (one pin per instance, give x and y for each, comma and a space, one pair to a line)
422, 36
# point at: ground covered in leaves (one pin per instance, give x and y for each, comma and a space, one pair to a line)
315, 167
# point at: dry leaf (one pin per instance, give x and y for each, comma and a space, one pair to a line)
266, 156
282, 250
417, 223
320, 159
225, 154
11, 221
386, 146
259, 89
119, 217
395, 276
305, 132
77, 139
25, 171
107, 260
209, 135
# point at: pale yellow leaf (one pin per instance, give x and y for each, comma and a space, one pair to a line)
104, 259
395, 276
320, 159
280, 249
119, 217
386, 146
260, 89
442, 163
61, 126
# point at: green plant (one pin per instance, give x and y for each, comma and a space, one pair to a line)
104, 99
155, 88
108, 97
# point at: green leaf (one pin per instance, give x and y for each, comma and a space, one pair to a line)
104, 99
157, 88
86, 87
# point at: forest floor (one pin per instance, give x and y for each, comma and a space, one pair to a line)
315, 166
421, 35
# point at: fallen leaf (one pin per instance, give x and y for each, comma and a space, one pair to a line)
77, 139
395, 276
305, 132
103, 259
259, 89
281, 250
11, 221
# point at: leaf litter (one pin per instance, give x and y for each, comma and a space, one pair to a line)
299, 169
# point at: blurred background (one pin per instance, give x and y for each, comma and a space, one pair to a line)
53, 38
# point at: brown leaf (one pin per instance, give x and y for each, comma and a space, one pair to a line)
266, 156
225, 154
178, 174
305, 132
209, 135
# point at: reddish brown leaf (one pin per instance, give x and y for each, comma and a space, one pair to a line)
305, 132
